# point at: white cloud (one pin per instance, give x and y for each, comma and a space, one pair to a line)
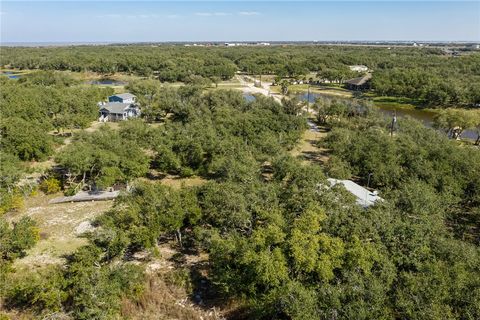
109, 16
212, 14
249, 13
135, 16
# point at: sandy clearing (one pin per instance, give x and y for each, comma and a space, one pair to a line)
59, 226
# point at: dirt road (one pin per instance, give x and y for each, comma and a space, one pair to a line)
249, 87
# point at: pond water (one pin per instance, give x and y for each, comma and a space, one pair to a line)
107, 82
425, 116
249, 97
11, 74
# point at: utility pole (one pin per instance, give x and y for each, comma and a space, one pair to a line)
394, 121
368, 184
308, 99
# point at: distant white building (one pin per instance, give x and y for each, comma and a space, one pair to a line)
359, 68
365, 198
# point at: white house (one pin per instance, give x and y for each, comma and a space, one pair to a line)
117, 111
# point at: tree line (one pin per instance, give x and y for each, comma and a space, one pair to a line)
427, 74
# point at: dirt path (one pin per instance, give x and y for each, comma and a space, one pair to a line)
307, 149
249, 87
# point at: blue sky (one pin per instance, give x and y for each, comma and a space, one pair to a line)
136, 21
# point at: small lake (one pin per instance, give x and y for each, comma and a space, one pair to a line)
11, 74
425, 116
107, 82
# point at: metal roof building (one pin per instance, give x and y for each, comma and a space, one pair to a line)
116, 107
365, 198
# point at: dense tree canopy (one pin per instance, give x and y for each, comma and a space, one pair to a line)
427, 75
103, 158
292, 248
39, 103
280, 242
30, 109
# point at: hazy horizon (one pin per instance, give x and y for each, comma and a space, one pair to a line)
248, 21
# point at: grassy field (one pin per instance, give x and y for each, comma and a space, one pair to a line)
394, 101
327, 90
233, 83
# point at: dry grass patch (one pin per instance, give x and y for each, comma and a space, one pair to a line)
307, 148
178, 182
176, 286
161, 300
60, 226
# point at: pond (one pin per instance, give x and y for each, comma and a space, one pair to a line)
387, 109
249, 97
107, 82
11, 74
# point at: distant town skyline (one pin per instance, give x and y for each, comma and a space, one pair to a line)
197, 21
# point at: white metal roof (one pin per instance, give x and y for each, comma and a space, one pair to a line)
115, 107
365, 198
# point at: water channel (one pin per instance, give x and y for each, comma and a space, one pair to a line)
425, 116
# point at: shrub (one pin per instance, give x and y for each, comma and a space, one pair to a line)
337, 168
41, 291
71, 190
186, 172
180, 278
166, 160
10, 201
50, 185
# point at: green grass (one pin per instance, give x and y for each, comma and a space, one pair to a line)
324, 90
400, 101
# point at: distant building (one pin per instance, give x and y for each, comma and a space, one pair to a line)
360, 83
359, 68
123, 98
365, 198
